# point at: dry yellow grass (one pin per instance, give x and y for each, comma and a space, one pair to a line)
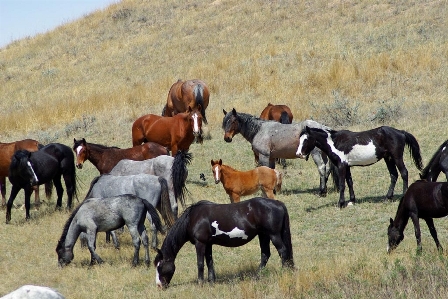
386, 61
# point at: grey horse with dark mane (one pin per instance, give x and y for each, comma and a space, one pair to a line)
104, 214
272, 140
152, 188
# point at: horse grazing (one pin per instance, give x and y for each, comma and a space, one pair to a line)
271, 140
104, 214
7, 150
172, 169
105, 158
175, 133
346, 149
231, 225
240, 183
184, 94
437, 164
151, 188
45, 166
280, 113
425, 200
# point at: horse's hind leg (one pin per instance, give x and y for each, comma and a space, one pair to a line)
36, 196
135, 234
265, 250
59, 191
3, 190
209, 262
432, 230
392, 167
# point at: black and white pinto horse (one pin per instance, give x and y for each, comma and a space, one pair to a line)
346, 149
95, 215
437, 164
231, 225
272, 140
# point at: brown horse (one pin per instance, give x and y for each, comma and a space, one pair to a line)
280, 113
240, 183
184, 94
176, 133
105, 158
7, 150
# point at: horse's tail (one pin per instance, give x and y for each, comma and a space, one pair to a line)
48, 189
165, 205
414, 149
287, 259
74, 188
334, 176
155, 219
424, 175
91, 186
199, 97
179, 173
278, 181
284, 118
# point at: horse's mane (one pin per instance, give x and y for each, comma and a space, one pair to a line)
249, 124
96, 145
176, 236
229, 167
66, 227
425, 170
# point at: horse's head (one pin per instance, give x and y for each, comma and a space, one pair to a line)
306, 143
195, 118
164, 270
80, 149
216, 169
21, 167
230, 125
65, 256
395, 236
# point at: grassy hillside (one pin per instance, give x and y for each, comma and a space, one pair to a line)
349, 64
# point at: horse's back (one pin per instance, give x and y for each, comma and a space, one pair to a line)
7, 150
155, 166
33, 292
429, 198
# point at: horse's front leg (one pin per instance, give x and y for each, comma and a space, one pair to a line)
342, 169
91, 244
348, 178
59, 191
209, 261
265, 160
200, 253
14, 191
432, 230
28, 192
323, 170
36, 196
418, 237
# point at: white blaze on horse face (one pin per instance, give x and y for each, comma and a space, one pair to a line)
234, 233
195, 123
217, 174
78, 150
158, 282
32, 170
300, 147
360, 155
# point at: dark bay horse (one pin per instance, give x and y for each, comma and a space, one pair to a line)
346, 149
45, 166
95, 215
231, 225
175, 133
280, 113
184, 94
7, 150
424, 200
437, 164
104, 158
239, 183
272, 140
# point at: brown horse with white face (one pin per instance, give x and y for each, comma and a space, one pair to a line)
184, 94
175, 133
7, 150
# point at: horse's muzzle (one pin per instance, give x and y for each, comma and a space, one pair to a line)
217, 181
79, 166
227, 139
301, 156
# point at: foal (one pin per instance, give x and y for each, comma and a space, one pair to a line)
240, 183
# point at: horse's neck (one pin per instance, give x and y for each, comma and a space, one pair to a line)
171, 249
72, 235
95, 154
402, 216
249, 126
227, 172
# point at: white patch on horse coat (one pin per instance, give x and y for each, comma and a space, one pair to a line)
32, 170
158, 282
78, 150
301, 141
360, 155
195, 123
234, 233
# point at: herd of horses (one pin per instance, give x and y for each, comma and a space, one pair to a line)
135, 183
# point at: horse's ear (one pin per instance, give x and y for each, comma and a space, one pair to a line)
307, 129
224, 111
74, 140
234, 111
391, 221
83, 141
212, 162
220, 162
189, 109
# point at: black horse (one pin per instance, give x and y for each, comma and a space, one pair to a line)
231, 225
45, 166
345, 149
425, 200
437, 164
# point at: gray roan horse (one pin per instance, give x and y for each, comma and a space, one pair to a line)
173, 169
152, 188
104, 214
271, 140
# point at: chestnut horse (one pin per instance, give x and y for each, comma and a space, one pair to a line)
239, 183
7, 150
105, 158
175, 133
280, 113
184, 94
